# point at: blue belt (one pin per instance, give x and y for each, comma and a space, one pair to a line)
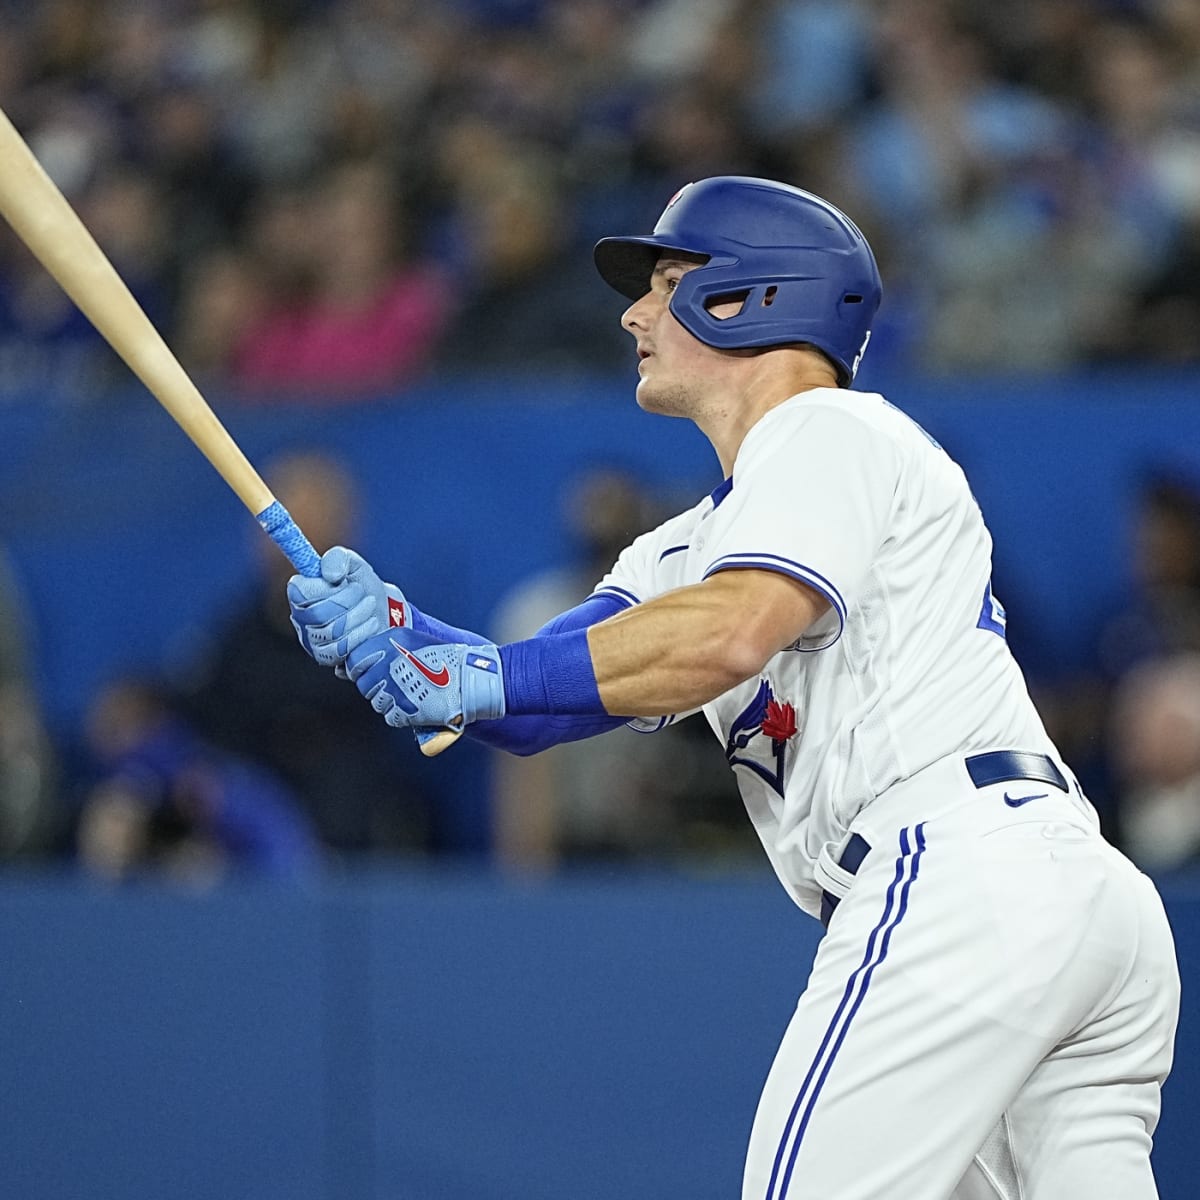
1003, 766
998, 766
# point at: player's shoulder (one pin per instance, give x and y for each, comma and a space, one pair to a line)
869, 412
836, 422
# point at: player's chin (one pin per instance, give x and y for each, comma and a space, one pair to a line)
664, 401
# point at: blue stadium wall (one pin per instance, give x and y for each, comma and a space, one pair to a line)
418, 1036
430, 1035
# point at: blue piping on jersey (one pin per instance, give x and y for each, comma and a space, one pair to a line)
794, 570
992, 616
662, 721
908, 864
610, 590
721, 491
672, 550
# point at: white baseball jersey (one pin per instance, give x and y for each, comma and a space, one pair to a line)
991, 1012
845, 492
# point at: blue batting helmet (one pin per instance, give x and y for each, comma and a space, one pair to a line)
805, 270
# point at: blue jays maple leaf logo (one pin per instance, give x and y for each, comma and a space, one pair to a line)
763, 718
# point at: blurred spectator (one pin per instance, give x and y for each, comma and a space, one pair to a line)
525, 303
1161, 615
169, 802
1156, 620
126, 212
284, 71
205, 186
222, 296
1158, 321
31, 819
371, 316
252, 690
615, 796
813, 64
1155, 735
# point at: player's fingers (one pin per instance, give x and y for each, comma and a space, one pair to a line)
348, 630
321, 612
402, 712
303, 589
362, 622
337, 562
325, 635
368, 671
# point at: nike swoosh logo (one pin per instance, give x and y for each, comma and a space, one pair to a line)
1017, 801
437, 678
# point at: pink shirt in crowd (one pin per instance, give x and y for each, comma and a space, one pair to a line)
386, 342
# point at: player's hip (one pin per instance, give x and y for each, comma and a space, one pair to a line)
979, 790
959, 802
1006, 876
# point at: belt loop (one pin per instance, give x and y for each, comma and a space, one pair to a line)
851, 858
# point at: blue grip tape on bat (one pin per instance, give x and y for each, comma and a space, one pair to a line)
284, 532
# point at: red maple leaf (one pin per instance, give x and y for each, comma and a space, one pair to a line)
780, 722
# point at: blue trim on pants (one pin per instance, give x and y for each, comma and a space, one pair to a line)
908, 863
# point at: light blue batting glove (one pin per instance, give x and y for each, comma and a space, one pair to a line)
414, 680
342, 607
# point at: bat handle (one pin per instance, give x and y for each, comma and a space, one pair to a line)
434, 741
278, 524
284, 532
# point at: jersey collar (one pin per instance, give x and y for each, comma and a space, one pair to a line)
721, 491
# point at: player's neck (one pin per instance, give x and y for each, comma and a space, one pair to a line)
769, 380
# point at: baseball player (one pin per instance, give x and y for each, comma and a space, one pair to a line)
992, 1009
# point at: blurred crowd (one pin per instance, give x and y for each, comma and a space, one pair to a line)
336, 196
321, 201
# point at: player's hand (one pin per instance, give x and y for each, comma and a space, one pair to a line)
415, 680
345, 605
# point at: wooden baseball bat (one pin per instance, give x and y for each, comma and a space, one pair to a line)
44, 220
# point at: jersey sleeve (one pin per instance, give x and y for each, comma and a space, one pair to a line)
638, 574
812, 501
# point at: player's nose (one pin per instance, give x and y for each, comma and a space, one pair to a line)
637, 316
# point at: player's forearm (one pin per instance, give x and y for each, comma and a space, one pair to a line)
668, 655
673, 653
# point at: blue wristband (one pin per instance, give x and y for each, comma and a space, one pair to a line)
551, 675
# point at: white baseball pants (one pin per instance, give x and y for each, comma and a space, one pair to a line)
990, 1015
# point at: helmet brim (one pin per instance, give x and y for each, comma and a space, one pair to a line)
626, 263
